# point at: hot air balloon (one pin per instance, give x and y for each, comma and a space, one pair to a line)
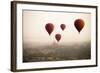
49, 28
63, 26
79, 24
58, 37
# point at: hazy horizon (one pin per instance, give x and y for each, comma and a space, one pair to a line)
56, 52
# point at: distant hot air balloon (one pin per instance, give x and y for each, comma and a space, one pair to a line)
63, 26
79, 24
49, 28
58, 37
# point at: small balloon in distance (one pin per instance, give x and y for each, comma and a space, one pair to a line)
62, 26
79, 24
58, 37
49, 28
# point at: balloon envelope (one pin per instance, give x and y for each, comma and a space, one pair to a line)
49, 28
63, 26
58, 37
79, 24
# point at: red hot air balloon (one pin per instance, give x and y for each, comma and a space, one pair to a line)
63, 26
58, 37
49, 28
79, 24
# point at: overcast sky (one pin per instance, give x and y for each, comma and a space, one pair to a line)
34, 27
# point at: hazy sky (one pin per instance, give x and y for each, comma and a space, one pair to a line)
34, 27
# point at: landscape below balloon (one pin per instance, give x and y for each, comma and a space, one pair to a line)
55, 52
